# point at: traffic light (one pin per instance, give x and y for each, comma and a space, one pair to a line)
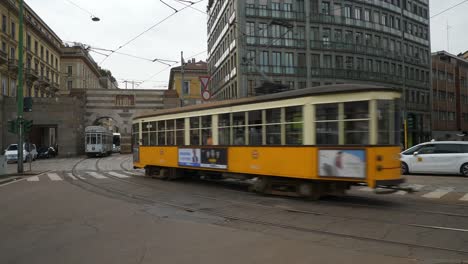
27, 104
27, 124
12, 127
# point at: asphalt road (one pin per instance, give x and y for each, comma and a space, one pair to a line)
102, 211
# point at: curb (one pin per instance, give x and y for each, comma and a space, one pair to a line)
8, 180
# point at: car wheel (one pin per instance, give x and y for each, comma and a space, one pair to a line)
464, 169
404, 169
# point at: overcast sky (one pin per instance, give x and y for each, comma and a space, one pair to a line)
122, 20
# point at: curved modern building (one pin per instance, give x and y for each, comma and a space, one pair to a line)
262, 46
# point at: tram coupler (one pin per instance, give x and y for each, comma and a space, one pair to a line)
393, 189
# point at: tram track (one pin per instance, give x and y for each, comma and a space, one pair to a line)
258, 221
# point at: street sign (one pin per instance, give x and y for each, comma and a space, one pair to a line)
206, 95
204, 80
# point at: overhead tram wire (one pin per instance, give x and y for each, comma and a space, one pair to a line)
145, 31
450, 8
166, 68
93, 17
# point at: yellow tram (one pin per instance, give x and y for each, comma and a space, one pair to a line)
308, 142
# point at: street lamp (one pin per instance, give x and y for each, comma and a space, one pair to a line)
19, 94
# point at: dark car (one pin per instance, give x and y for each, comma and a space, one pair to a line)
46, 152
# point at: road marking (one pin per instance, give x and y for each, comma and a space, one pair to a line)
136, 173
464, 198
441, 227
113, 173
438, 193
71, 176
54, 176
366, 189
96, 175
33, 178
416, 187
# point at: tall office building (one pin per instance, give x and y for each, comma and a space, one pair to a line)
294, 44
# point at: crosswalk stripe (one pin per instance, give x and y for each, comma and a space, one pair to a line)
366, 189
438, 193
136, 173
33, 178
96, 175
464, 198
416, 187
71, 176
54, 176
113, 173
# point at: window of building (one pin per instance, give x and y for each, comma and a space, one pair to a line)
4, 23
276, 60
13, 30
28, 42
69, 85
357, 13
347, 11
4, 87
367, 13
186, 88
325, 8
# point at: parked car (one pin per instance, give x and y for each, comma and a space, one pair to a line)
46, 152
29, 152
437, 157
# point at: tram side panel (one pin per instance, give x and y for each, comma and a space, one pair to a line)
372, 165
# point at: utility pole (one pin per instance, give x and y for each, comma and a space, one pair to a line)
182, 78
19, 94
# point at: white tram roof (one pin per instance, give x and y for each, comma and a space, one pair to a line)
317, 90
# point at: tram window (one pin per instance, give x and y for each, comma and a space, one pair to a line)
273, 126
238, 120
195, 130
88, 139
327, 133
294, 123
224, 125
180, 138
206, 130
161, 133
326, 112
356, 110
93, 138
153, 134
388, 116
255, 127
356, 116
170, 132
327, 124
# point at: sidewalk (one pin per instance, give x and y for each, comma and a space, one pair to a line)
9, 177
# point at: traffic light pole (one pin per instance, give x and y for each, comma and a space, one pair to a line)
19, 94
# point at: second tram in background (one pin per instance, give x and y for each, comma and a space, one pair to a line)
98, 141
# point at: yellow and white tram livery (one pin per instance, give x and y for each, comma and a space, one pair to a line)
308, 142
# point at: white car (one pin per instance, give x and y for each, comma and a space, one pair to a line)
29, 151
437, 157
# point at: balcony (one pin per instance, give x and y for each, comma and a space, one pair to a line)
276, 42
31, 74
13, 65
355, 48
3, 57
252, 11
44, 81
277, 70
54, 87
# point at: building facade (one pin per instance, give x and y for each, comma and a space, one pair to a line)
79, 70
299, 44
193, 87
450, 96
42, 53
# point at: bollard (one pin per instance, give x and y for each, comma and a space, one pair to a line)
3, 165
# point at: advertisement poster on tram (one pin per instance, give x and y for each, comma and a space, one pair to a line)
215, 158
189, 157
342, 163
